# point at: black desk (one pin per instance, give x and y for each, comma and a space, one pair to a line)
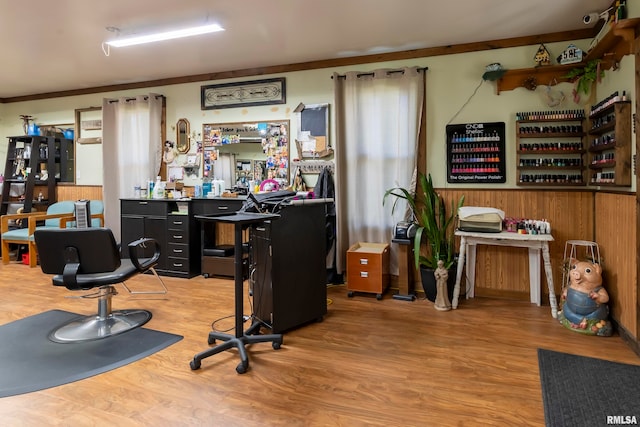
241, 338
289, 264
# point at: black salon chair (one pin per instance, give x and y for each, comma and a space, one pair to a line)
87, 258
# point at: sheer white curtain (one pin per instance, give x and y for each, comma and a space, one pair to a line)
378, 118
131, 149
225, 168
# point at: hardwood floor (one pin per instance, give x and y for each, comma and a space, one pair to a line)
369, 363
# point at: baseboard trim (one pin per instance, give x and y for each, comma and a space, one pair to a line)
631, 341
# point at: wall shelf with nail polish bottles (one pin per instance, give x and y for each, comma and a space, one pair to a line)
550, 147
610, 160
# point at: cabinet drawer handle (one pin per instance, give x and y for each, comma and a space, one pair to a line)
177, 222
177, 236
177, 265
364, 274
143, 203
364, 261
260, 228
177, 251
223, 208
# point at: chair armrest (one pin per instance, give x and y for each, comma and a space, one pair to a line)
64, 221
100, 216
146, 263
33, 220
4, 220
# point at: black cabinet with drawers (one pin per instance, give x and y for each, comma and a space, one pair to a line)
180, 235
176, 232
183, 250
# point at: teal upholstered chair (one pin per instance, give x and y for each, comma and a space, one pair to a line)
58, 215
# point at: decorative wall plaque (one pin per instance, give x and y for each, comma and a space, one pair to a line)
243, 94
570, 55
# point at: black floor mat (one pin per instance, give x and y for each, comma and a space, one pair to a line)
583, 391
29, 361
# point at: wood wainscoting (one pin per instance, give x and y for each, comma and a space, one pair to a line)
606, 218
616, 236
79, 192
504, 271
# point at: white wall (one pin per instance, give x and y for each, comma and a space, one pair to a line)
451, 80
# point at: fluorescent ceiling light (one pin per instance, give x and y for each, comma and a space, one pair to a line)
168, 35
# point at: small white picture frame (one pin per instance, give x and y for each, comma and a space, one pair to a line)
175, 173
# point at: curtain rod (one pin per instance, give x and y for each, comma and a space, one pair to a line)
342, 76
134, 98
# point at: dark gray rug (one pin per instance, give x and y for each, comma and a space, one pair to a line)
29, 361
582, 391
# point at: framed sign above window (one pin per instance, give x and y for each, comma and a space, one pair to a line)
88, 126
243, 94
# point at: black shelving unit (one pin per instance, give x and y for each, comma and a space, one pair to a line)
28, 157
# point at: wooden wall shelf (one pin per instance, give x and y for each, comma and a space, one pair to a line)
615, 44
611, 163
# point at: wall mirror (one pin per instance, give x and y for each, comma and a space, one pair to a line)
266, 144
182, 136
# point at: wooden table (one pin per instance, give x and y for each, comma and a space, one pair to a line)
536, 243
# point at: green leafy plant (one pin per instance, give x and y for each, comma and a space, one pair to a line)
434, 223
585, 76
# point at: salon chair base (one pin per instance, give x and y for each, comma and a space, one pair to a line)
94, 327
106, 323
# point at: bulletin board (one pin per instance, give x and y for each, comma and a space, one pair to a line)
313, 131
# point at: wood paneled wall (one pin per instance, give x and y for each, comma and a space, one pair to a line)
504, 271
615, 216
79, 192
606, 218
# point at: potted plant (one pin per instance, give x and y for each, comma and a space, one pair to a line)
435, 227
583, 78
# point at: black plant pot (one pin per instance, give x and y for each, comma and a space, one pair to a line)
429, 282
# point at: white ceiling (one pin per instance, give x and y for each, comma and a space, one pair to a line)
49, 46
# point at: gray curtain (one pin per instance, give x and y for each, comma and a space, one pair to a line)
378, 116
131, 149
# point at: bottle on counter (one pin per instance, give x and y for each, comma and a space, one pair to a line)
150, 185
158, 189
206, 186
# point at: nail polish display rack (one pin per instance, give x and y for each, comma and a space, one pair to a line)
610, 143
475, 153
551, 148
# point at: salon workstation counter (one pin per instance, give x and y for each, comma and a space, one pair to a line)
172, 223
